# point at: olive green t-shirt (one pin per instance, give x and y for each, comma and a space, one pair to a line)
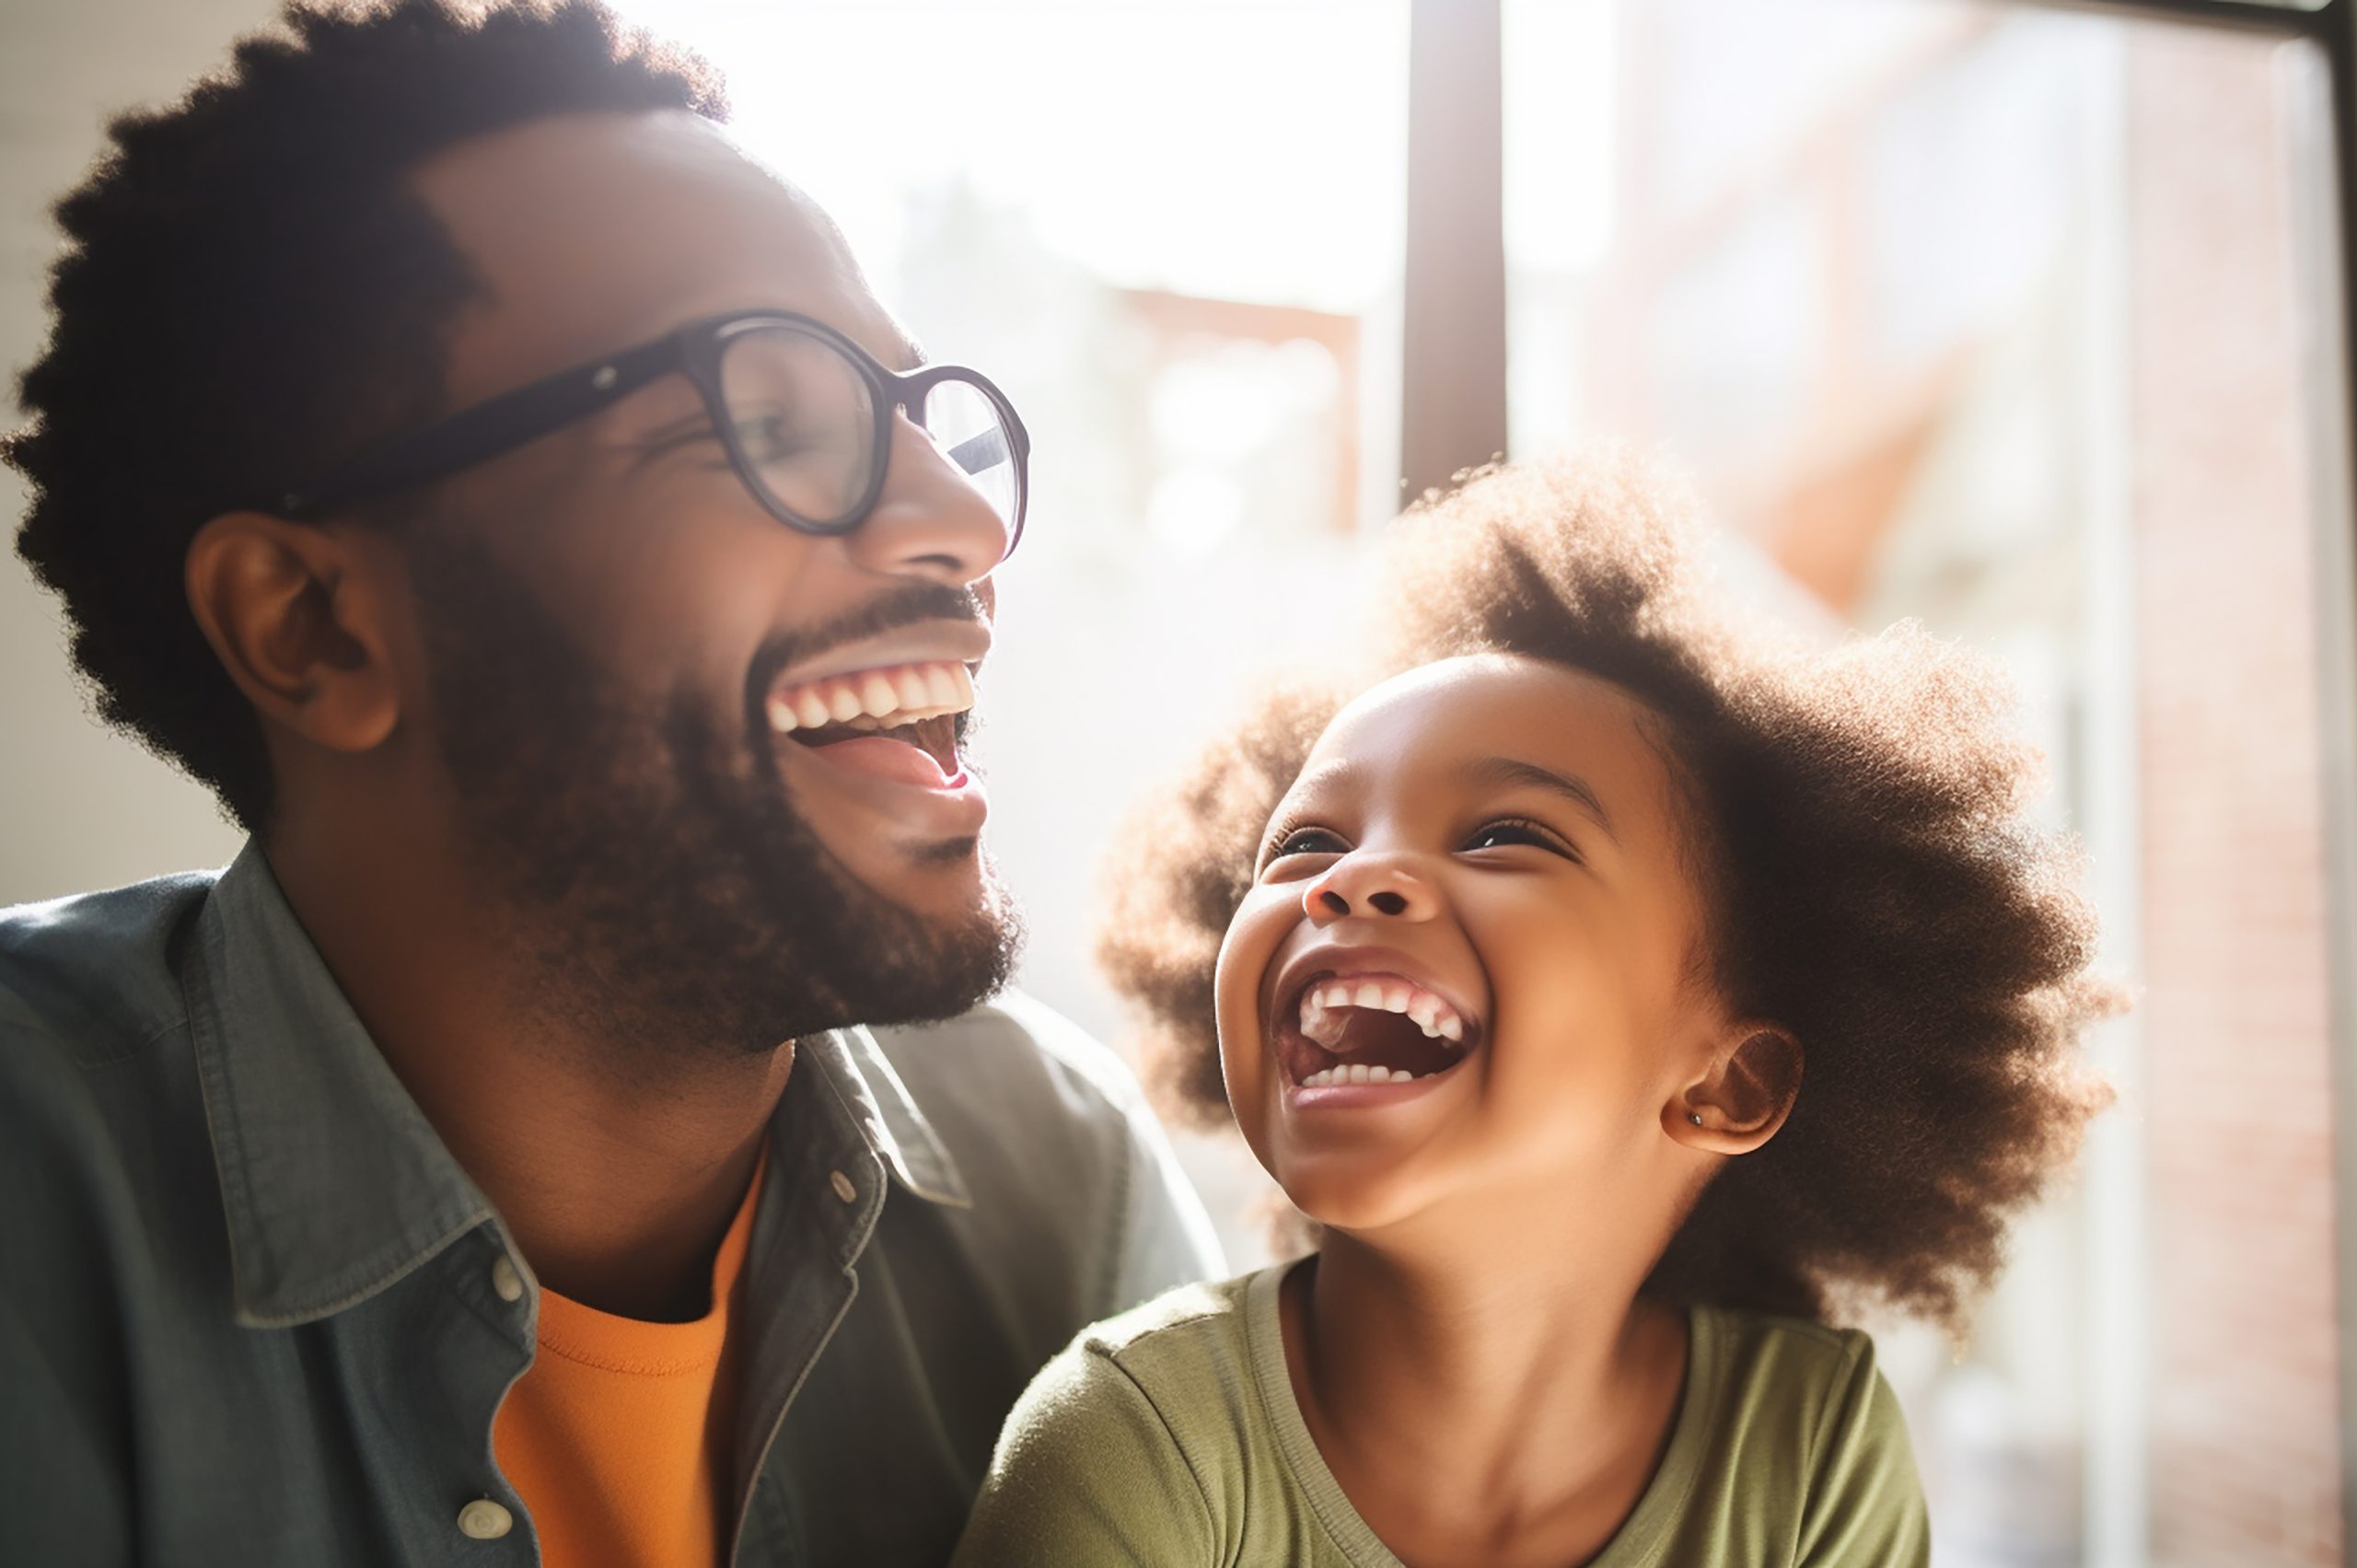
1169, 1435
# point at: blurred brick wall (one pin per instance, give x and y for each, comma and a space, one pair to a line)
2242, 1434
2244, 1398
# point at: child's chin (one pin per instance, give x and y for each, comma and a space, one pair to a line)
1338, 1199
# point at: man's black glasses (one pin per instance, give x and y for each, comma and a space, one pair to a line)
803, 413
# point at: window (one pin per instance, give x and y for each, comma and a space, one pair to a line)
2009, 319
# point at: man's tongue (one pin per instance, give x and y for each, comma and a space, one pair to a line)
886, 758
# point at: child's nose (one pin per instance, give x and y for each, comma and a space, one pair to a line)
1377, 887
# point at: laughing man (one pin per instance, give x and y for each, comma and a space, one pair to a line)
511, 500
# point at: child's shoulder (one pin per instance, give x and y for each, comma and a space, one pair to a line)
1811, 1384
1199, 1357
1189, 1324
1795, 1344
1789, 1447
1149, 1438
1173, 1377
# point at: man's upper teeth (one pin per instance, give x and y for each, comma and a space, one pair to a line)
1431, 1012
904, 693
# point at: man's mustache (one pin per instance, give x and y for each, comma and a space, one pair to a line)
916, 604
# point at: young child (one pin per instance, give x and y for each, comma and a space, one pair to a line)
1624, 1002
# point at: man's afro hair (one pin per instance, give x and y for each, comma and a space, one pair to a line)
248, 293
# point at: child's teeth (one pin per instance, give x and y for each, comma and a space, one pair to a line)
1423, 1013
1319, 1024
1358, 1072
1369, 994
1395, 998
1453, 1026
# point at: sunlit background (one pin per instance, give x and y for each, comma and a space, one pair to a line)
2004, 318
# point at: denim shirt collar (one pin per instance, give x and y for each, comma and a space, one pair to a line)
334, 1184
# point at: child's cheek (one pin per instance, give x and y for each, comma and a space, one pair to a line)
1249, 948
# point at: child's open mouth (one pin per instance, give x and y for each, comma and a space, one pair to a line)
1369, 1028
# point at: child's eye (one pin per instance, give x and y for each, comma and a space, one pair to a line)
1518, 831
1306, 840
1291, 841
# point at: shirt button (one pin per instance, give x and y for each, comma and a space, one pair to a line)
484, 1520
841, 1183
506, 1282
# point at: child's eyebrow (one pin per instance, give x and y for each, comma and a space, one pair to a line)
1512, 771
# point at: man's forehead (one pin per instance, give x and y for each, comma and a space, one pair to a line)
593, 232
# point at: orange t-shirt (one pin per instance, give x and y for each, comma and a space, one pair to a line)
618, 1433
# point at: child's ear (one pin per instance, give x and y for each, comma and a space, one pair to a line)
1743, 1097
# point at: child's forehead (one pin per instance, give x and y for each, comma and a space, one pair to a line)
1487, 700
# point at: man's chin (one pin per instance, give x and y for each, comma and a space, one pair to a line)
940, 936
945, 883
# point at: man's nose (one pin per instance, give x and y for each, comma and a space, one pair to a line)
929, 520
1377, 887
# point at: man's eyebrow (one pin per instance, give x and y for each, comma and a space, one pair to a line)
1512, 771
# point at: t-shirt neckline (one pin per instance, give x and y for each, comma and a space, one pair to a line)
1641, 1537
636, 1347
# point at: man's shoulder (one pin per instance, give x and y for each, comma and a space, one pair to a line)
105, 1158
1051, 1137
89, 979
1016, 1047
1025, 1102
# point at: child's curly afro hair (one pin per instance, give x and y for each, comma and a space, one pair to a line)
1858, 826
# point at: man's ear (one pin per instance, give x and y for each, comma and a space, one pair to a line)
297, 625
1743, 1098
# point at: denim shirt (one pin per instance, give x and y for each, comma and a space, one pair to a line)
253, 1312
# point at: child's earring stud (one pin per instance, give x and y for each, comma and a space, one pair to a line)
1695, 1116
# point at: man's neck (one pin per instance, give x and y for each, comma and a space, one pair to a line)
617, 1168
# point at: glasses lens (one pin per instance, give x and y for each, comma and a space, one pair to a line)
803, 419
966, 424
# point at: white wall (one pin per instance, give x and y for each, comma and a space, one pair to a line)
80, 805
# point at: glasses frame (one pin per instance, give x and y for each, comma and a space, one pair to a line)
503, 422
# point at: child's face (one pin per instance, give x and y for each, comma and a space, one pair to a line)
1488, 848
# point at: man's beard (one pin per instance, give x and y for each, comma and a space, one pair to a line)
660, 884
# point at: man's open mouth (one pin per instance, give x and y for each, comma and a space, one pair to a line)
1371, 1028
922, 705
